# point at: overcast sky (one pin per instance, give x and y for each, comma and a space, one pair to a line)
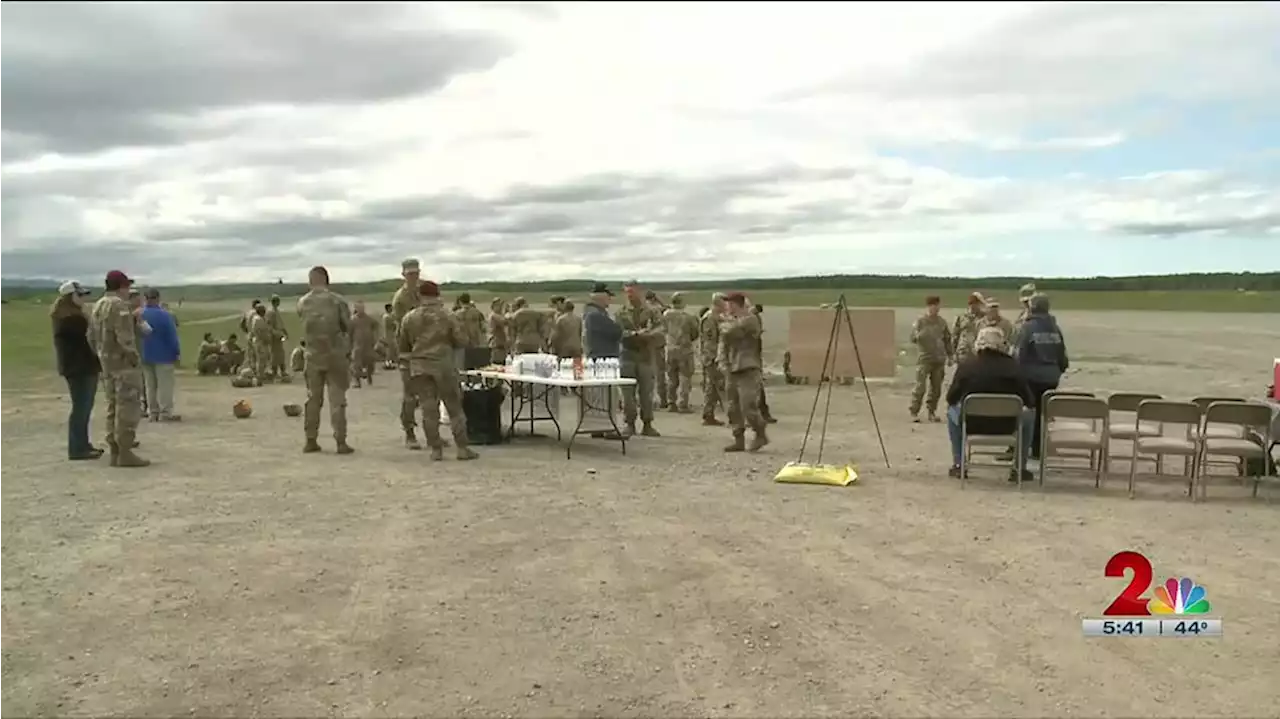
187, 143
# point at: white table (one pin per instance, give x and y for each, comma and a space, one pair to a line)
524, 408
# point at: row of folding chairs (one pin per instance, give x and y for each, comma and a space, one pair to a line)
1077, 424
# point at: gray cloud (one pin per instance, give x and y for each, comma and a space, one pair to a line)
79, 77
1255, 225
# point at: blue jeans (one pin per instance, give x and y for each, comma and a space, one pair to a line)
83, 389
1028, 421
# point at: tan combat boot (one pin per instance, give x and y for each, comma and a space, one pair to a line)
437, 454
344, 448
127, 458
465, 454
649, 431
311, 446
711, 422
758, 441
113, 450
411, 440
739, 443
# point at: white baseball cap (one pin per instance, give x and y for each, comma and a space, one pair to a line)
71, 287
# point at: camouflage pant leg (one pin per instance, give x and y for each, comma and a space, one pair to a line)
408, 402
712, 389
640, 393
251, 354
279, 364
125, 387
109, 394
660, 374
928, 376
498, 355
742, 397
261, 360
430, 392
679, 378
335, 379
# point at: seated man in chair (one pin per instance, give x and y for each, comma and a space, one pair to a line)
990, 370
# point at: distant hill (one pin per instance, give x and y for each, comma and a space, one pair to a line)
1218, 281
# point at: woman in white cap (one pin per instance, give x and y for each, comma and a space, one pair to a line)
78, 364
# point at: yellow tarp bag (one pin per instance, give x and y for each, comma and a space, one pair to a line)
829, 474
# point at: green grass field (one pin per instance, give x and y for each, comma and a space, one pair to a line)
27, 350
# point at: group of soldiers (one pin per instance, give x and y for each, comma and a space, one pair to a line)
661, 346
939, 344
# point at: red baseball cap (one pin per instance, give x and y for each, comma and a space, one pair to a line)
427, 288
119, 278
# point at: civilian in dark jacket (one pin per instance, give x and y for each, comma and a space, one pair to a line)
1042, 354
989, 371
78, 364
601, 335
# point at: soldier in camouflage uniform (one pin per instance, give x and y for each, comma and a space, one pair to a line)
758, 311
429, 339
994, 319
364, 341
326, 327
659, 350
528, 328
403, 301
1024, 298
389, 343
681, 330
566, 333
210, 356
739, 359
116, 334
260, 337
639, 326
965, 331
279, 334
932, 339
246, 322
499, 337
708, 348
471, 322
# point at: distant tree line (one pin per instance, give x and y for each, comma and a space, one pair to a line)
1201, 281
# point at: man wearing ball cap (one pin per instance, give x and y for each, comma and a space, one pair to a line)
965, 332
116, 335
403, 301
1024, 297
429, 339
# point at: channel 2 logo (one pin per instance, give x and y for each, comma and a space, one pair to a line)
1183, 602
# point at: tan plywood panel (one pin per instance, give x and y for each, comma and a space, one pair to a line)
810, 332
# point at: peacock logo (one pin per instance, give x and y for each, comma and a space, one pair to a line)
1179, 596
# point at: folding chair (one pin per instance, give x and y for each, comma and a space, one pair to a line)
1094, 440
1254, 420
990, 405
1063, 423
1219, 431
1164, 412
1122, 404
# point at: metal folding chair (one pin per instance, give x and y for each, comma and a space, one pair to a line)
991, 405
1165, 412
1255, 420
1094, 440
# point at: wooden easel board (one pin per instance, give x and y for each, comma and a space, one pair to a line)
810, 331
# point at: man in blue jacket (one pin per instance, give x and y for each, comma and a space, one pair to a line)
601, 335
160, 352
1042, 355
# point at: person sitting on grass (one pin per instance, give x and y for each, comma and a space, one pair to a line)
990, 370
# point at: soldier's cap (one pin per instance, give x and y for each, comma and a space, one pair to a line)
275, 298
993, 302
735, 297
601, 288
976, 298
151, 293
71, 287
427, 288
410, 265
1027, 290
119, 278
633, 282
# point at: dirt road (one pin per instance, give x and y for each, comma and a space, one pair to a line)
239, 577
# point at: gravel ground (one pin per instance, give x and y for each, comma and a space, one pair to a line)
239, 577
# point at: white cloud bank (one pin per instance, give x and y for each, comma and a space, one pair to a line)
189, 142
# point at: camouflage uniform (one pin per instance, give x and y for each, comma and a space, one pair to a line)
117, 337
250, 348
681, 330
471, 323
636, 362
528, 330
389, 332
932, 339
364, 339
1005, 327
298, 360
402, 302
499, 337
1024, 296
712, 377
210, 358
260, 338
326, 328
428, 339
566, 334
275, 320
660, 355
964, 334
232, 357
739, 359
